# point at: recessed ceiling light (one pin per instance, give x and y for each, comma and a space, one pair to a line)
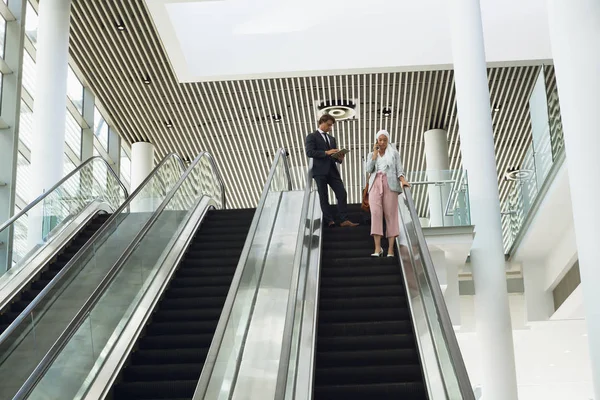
120, 26
386, 112
169, 124
552, 365
497, 109
584, 335
276, 117
567, 351
147, 80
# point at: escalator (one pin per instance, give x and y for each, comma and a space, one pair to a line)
170, 355
19, 302
366, 347
51, 294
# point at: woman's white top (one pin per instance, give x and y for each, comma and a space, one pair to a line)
380, 165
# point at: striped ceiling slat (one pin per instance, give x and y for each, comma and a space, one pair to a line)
233, 119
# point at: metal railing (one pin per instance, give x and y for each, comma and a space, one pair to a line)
428, 307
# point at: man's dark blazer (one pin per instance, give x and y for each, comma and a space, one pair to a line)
316, 148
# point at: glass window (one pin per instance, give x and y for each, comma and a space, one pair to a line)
75, 90
31, 23
26, 125
73, 134
28, 74
2, 36
125, 166
23, 179
100, 128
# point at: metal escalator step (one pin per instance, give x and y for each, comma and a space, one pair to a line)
373, 280
365, 342
196, 314
164, 389
368, 375
381, 391
153, 372
169, 356
361, 303
363, 315
192, 302
354, 271
175, 341
350, 292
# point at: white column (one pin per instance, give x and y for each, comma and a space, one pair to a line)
574, 33
50, 103
50, 106
142, 163
436, 156
492, 312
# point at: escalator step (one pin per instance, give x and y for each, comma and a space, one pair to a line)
163, 371
373, 280
382, 391
209, 291
367, 358
379, 270
359, 303
169, 356
192, 302
175, 341
366, 315
184, 282
206, 271
368, 375
376, 342
173, 389
361, 291
202, 314
187, 327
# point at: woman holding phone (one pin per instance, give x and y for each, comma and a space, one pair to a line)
385, 184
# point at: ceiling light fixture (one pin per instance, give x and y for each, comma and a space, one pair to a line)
120, 26
147, 80
276, 117
169, 124
386, 112
497, 109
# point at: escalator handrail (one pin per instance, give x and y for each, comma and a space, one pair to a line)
286, 346
215, 346
77, 321
460, 369
59, 183
100, 232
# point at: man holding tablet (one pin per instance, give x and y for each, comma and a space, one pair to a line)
322, 148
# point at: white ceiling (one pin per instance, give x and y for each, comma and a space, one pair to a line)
245, 39
233, 119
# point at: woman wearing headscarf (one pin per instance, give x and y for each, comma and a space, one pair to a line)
385, 184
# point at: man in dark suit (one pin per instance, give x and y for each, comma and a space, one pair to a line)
320, 146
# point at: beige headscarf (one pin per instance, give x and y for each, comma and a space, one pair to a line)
388, 156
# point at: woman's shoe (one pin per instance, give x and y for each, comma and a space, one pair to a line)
391, 255
380, 254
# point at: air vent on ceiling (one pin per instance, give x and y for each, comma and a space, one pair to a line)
339, 109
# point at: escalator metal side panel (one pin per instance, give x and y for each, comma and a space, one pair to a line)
103, 375
265, 336
14, 280
300, 379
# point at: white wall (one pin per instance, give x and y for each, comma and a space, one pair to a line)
241, 39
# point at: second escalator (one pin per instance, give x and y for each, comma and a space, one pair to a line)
22, 300
169, 357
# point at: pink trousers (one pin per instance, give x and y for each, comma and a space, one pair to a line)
384, 204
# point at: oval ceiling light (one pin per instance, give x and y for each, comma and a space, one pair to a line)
339, 109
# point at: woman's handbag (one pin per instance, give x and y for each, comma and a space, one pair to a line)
365, 198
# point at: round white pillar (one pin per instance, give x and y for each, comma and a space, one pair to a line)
142, 163
436, 156
49, 109
574, 32
492, 312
